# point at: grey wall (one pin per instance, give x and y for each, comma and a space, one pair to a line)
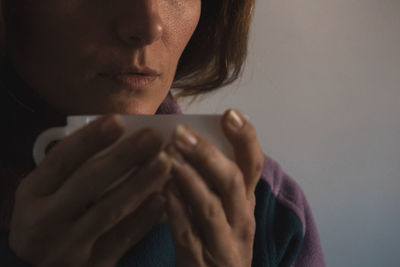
322, 86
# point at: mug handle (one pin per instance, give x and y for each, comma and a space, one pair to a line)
44, 140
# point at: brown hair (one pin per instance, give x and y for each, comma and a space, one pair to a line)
217, 50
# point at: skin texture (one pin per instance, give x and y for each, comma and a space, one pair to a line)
210, 203
60, 47
208, 199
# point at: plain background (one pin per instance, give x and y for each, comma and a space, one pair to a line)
322, 87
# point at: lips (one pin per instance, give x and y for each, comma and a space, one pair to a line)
132, 78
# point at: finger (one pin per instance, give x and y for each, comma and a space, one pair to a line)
123, 200
248, 152
70, 153
90, 181
219, 172
187, 243
207, 212
111, 246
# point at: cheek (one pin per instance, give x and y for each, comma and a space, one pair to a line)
43, 29
181, 22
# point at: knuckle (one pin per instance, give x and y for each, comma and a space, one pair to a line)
252, 201
259, 164
85, 140
115, 215
247, 231
110, 216
35, 222
186, 238
58, 164
119, 158
207, 152
89, 188
126, 240
236, 180
85, 192
211, 211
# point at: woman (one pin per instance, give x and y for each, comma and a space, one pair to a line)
67, 57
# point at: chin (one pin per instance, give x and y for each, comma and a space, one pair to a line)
132, 107
116, 104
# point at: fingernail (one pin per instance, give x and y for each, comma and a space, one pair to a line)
174, 154
184, 138
161, 163
113, 126
235, 120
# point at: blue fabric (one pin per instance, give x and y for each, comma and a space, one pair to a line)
278, 236
156, 249
277, 240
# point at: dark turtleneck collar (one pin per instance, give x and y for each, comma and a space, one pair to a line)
25, 115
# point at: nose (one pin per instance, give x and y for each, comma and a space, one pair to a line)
141, 23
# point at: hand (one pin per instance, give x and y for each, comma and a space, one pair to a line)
210, 201
52, 224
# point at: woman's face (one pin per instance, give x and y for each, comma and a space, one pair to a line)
101, 56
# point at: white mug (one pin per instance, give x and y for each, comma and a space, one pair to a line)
208, 126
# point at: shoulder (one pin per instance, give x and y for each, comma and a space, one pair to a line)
285, 189
286, 234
